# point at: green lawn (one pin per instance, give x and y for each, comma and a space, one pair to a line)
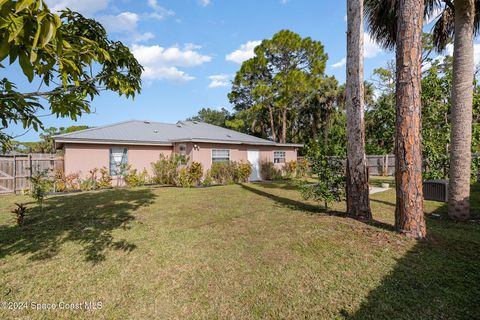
248, 251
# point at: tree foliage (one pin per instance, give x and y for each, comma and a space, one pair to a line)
270, 88
212, 116
70, 55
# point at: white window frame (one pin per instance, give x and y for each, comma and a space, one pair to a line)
229, 155
279, 158
124, 159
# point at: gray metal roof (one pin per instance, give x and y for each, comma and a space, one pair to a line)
149, 132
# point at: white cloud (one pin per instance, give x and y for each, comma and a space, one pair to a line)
370, 47
123, 22
159, 12
163, 63
204, 3
87, 7
284, 1
244, 53
449, 52
340, 63
219, 80
140, 37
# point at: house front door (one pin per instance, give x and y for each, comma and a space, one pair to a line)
254, 159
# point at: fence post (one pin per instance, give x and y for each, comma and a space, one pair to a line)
14, 174
30, 171
385, 164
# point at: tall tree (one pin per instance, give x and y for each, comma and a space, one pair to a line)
409, 216
358, 202
278, 78
212, 116
60, 51
462, 98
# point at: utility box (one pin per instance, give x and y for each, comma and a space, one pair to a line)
435, 190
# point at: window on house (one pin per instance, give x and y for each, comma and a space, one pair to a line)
182, 151
118, 161
279, 157
220, 155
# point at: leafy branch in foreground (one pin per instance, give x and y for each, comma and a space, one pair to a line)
69, 54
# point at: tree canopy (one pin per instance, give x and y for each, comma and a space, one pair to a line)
71, 56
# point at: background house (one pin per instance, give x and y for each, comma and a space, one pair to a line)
139, 143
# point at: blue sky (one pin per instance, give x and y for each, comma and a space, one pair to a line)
192, 48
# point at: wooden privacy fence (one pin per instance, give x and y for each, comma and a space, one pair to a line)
381, 165
15, 170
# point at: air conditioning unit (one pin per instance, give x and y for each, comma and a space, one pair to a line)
435, 190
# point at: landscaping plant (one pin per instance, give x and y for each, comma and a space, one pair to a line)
269, 172
19, 212
40, 185
330, 180
244, 170
136, 179
195, 172
165, 170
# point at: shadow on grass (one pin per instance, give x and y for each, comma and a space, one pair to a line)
303, 206
86, 218
439, 278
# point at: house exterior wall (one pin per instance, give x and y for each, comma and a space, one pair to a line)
81, 158
202, 152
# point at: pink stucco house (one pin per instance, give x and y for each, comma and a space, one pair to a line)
139, 143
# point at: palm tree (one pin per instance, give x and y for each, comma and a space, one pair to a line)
462, 99
405, 34
461, 17
358, 201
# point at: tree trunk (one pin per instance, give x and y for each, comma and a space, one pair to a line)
358, 202
462, 96
272, 123
409, 217
283, 139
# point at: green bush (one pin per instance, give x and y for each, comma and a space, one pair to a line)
165, 170
195, 173
184, 179
207, 179
303, 168
244, 170
39, 186
330, 184
290, 169
269, 172
136, 179
105, 180
223, 172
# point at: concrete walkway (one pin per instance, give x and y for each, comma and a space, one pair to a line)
377, 190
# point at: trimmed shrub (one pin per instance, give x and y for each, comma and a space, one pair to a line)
19, 212
269, 172
165, 170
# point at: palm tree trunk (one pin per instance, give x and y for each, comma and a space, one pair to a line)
283, 138
358, 202
409, 217
462, 96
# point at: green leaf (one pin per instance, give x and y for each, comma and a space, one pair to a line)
27, 67
48, 30
17, 27
22, 4
4, 48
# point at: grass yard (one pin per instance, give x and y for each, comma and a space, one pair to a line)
249, 251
